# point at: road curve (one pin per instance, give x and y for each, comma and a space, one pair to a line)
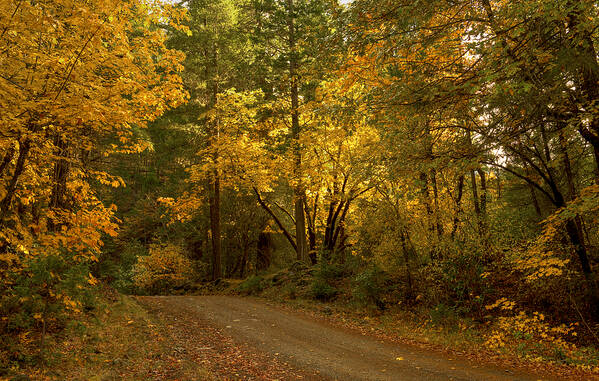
322, 349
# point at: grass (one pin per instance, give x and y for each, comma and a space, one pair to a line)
119, 342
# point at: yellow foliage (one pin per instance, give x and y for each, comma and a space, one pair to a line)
502, 304
165, 267
73, 75
531, 333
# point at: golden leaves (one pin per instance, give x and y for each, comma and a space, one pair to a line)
502, 304
535, 334
166, 265
74, 75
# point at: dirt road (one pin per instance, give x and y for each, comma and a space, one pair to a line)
241, 338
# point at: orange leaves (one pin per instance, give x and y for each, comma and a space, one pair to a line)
78, 76
183, 208
92, 280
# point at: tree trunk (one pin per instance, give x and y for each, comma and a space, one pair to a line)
427, 200
244, 256
24, 148
299, 193
406, 256
276, 219
572, 193
483, 193
438, 224
535, 201
475, 199
458, 202
311, 219
214, 198
264, 249
59, 182
215, 227
60, 174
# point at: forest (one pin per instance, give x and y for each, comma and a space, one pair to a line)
434, 162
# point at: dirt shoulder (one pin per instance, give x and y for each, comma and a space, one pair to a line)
201, 336
243, 338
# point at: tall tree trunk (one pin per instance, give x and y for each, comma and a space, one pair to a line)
458, 202
479, 200
427, 200
311, 219
299, 192
244, 255
483, 192
215, 227
474, 188
214, 193
59, 181
59, 177
572, 193
406, 255
533, 192
438, 224
535, 200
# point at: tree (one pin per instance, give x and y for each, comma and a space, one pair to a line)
215, 49
512, 78
288, 34
76, 81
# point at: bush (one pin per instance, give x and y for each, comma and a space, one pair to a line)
116, 267
328, 272
40, 298
289, 291
165, 269
534, 336
252, 285
322, 291
370, 287
444, 315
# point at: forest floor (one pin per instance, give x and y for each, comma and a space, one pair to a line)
224, 337
120, 341
250, 339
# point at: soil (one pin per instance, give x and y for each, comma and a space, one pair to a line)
238, 338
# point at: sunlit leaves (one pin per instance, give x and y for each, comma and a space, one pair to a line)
76, 81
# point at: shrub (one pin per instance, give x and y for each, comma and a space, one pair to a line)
116, 266
40, 298
322, 291
370, 286
165, 269
289, 291
328, 272
532, 335
252, 285
444, 315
